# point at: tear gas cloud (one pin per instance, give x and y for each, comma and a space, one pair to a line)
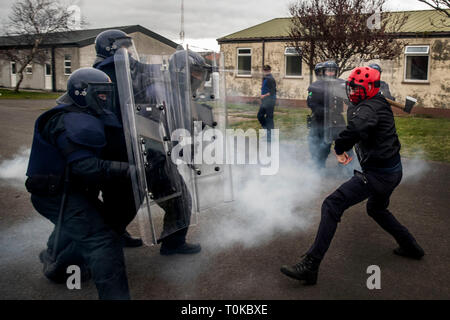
13, 170
265, 206
415, 168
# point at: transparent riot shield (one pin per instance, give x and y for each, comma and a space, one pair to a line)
163, 194
334, 100
213, 176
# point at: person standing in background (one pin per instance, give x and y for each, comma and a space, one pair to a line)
268, 100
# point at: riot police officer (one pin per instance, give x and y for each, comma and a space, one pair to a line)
371, 128
268, 101
65, 173
319, 100
120, 198
384, 87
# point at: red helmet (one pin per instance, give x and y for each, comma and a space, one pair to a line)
363, 83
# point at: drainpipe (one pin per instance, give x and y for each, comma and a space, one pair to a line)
263, 51
53, 70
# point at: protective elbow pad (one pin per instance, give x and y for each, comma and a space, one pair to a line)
119, 169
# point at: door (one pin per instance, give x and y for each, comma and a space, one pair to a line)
48, 76
13, 75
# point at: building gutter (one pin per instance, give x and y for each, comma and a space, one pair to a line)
53, 69
424, 34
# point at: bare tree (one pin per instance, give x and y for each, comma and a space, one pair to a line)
443, 6
440, 5
346, 31
29, 25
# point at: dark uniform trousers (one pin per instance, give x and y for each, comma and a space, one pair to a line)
119, 203
318, 148
86, 239
265, 115
375, 186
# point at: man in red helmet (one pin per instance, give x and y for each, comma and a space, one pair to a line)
371, 129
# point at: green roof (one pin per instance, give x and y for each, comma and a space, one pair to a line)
79, 38
419, 21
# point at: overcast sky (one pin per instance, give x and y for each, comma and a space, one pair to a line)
204, 20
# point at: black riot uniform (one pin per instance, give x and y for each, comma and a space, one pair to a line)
384, 90
384, 87
321, 100
371, 128
68, 141
120, 198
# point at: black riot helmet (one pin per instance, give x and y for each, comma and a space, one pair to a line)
109, 41
200, 71
375, 66
330, 69
318, 69
89, 88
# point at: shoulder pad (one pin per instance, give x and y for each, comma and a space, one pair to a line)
84, 129
104, 63
316, 86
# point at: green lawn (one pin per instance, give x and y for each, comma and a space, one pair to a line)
420, 136
10, 94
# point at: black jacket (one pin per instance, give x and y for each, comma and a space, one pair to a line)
371, 128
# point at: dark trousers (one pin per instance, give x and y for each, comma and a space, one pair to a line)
265, 115
163, 180
377, 188
86, 239
318, 148
119, 203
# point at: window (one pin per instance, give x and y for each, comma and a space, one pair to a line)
29, 69
13, 68
293, 62
67, 64
48, 69
244, 66
417, 63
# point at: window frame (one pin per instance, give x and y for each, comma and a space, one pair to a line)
29, 66
237, 62
67, 60
416, 54
286, 55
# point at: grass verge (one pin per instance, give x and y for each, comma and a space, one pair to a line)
421, 136
32, 95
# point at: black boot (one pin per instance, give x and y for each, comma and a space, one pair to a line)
57, 273
306, 270
130, 242
410, 250
51, 269
185, 248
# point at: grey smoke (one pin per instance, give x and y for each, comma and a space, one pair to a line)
13, 170
415, 168
264, 206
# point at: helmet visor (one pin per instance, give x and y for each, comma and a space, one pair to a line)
355, 92
100, 97
127, 43
330, 72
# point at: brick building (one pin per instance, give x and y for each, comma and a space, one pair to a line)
421, 71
